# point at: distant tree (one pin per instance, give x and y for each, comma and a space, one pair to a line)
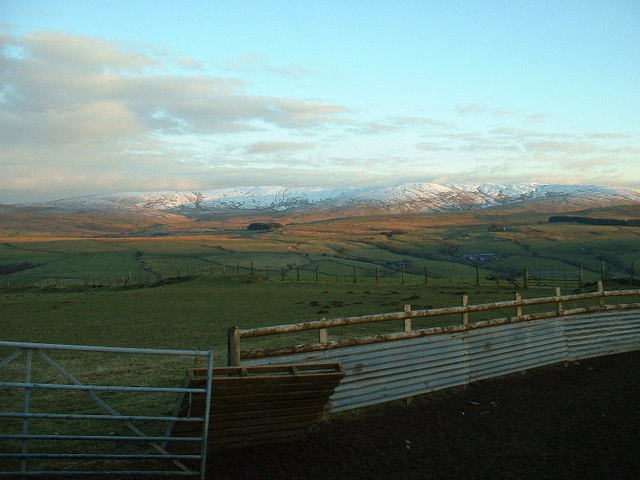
265, 226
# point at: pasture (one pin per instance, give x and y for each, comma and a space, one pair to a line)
473, 250
184, 291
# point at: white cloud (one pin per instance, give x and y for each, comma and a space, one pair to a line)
71, 104
82, 115
276, 147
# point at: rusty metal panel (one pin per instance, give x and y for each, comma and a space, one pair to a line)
515, 347
603, 333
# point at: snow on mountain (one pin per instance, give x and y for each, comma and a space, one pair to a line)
409, 197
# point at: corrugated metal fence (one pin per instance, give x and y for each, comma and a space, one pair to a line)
397, 366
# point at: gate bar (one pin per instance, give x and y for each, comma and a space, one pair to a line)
77, 416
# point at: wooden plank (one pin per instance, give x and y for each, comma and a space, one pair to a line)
268, 397
258, 404
233, 388
270, 370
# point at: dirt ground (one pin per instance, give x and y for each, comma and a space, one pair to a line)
579, 421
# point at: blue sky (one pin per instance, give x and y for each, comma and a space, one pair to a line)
107, 96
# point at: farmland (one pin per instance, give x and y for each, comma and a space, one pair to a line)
447, 249
184, 288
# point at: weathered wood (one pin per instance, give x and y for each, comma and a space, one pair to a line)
258, 404
323, 335
233, 339
383, 317
317, 347
465, 315
407, 321
559, 306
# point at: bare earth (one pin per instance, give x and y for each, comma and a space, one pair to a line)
580, 421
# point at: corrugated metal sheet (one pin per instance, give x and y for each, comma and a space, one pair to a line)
515, 347
387, 371
603, 333
393, 370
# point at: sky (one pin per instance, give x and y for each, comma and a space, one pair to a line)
101, 96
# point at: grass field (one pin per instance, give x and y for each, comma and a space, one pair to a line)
451, 254
184, 291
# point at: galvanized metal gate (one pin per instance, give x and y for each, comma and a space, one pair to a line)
148, 449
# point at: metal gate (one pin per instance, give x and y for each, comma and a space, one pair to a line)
35, 434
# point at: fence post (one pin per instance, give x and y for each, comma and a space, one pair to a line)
601, 291
477, 275
581, 277
519, 307
355, 279
465, 315
323, 334
526, 278
602, 273
233, 348
407, 321
559, 307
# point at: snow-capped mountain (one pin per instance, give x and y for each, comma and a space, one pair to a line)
409, 197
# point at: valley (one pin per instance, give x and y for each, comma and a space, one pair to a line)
466, 247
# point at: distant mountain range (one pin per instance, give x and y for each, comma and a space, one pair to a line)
277, 201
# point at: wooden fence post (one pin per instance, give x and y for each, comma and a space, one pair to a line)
602, 273
323, 334
519, 307
559, 306
526, 278
477, 275
465, 315
601, 290
233, 348
407, 321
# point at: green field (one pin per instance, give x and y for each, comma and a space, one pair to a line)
453, 255
185, 291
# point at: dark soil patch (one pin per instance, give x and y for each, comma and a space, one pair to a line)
580, 421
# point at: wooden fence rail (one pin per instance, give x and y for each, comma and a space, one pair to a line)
235, 334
